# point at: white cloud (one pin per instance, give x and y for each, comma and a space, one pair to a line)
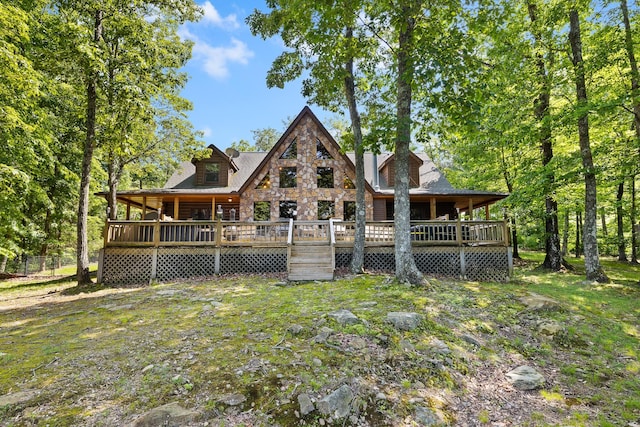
217, 58
212, 16
206, 132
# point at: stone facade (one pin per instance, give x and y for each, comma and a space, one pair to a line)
306, 193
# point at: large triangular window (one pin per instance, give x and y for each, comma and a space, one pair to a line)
291, 152
265, 183
321, 151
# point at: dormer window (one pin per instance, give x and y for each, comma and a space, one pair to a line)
212, 173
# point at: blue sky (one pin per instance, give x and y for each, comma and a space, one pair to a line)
227, 72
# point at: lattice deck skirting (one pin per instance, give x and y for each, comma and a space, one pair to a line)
141, 265
482, 263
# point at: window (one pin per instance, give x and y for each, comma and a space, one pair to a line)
348, 184
265, 183
326, 209
288, 177
288, 209
261, 211
291, 152
212, 173
325, 177
321, 151
349, 211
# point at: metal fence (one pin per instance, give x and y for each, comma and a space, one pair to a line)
43, 265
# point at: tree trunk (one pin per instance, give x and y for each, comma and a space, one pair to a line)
3, 264
589, 234
406, 270
553, 256
44, 249
622, 251
357, 260
82, 249
635, 86
603, 222
565, 234
634, 226
514, 238
578, 233
112, 199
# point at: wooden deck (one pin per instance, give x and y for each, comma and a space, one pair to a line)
307, 249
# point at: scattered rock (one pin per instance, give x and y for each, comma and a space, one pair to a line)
425, 416
525, 378
472, 340
147, 368
171, 414
381, 396
306, 405
404, 321
367, 304
323, 335
233, 399
17, 398
535, 302
549, 327
439, 347
295, 329
358, 343
168, 292
316, 362
344, 317
338, 403
406, 345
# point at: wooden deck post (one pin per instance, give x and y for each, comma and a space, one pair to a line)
432, 207
176, 208
486, 212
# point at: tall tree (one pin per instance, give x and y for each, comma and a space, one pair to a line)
322, 38
404, 21
553, 253
114, 27
592, 259
635, 96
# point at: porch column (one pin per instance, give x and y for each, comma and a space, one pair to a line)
213, 208
432, 206
144, 206
176, 208
486, 212
470, 208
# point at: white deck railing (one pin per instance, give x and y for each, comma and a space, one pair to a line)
282, 233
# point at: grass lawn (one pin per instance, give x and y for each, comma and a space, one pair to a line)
240, 350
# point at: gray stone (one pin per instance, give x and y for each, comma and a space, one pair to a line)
406, 345
535, 302
367, 304
425, 416
147, 368
472, 340
549, 327
168, 292
306, 405
338, 403
233, 399
525, 378
344, 317
171, 414
439, 347
17, 398
323, 334
404, 321
295, 329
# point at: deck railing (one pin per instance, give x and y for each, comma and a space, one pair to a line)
282, 233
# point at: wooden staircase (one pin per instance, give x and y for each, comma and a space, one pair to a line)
311, 261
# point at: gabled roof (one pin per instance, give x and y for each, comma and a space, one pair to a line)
185, 177
306, 111
216, 150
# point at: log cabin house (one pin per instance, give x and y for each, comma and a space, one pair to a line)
269, 202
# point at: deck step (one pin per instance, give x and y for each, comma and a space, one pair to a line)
311, 262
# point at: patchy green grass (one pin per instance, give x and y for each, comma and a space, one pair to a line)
106, 356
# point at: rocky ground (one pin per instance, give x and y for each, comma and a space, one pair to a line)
361, 351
